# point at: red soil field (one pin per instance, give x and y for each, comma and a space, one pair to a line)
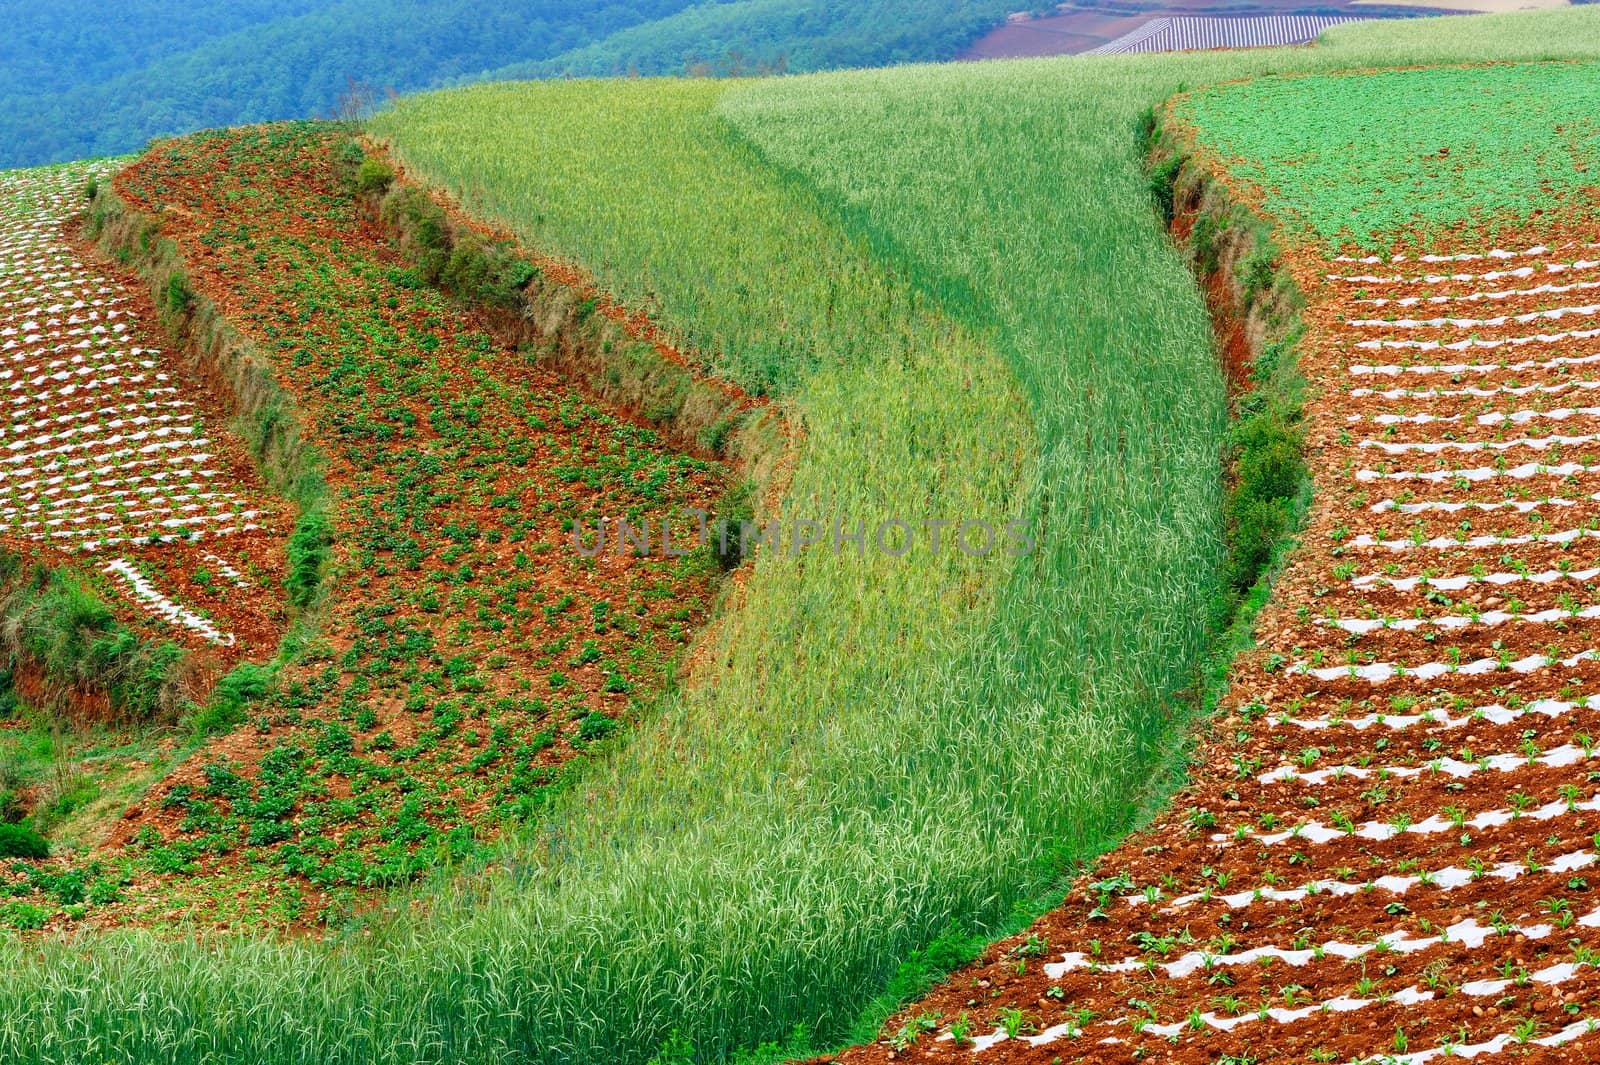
465, 651
1391, 844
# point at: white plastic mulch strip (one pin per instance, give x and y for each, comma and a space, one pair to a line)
1315, 833
1478, 473
1467, 933
224, 567
1434, 447
1440, 543
1457, 583
1394, 369
1409, 996
1588, 310
1537, 251
185, 536
1284, 1014
1478, 297
1439, 279
1519, 1041
1520, 417
1362, 626
1438, 720
155, 603
1379, 672
1557, 757
1502, 342
1449, 878
1477, 393
1522, 506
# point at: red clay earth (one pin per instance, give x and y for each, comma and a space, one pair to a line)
250, 607
254, 609
1444, 814
466, 653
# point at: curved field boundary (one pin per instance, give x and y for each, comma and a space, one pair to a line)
1386, 853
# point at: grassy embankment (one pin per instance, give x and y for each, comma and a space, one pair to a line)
889, 747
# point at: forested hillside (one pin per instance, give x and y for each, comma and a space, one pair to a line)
79, 81
751, 36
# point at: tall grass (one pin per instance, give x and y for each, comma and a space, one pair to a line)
955, 281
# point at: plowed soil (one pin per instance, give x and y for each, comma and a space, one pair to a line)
1412, 848
465, 651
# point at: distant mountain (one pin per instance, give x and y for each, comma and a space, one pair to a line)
82, 78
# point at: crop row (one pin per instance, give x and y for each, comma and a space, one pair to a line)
99, 447
1410, 785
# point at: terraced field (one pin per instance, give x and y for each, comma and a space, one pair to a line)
112, 456
469, 650
1395, 850
956, 289
1391, 846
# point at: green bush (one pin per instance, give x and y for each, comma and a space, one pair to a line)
1268, 471
348, 155
1256, 525
1270, 464
308, 550
677, 1050
245, 684
147, 672
1164, 173
20, 841
480, 271
596, 727
715, 437
60, 622
373, 176
727, 533
424, 228
176, 297
24, 916
1204, 240
1258, 272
